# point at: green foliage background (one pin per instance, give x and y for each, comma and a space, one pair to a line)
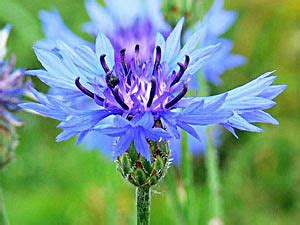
60, 183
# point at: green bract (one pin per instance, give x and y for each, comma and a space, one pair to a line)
139, 171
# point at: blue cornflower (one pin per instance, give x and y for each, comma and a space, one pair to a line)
215, 23
11, 82
140, 101
127, 23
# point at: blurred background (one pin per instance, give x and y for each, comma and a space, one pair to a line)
53, 183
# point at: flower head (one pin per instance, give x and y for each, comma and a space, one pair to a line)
11, 83
134, 23
140, 101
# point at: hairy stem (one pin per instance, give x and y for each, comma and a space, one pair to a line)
3, 213
143, 204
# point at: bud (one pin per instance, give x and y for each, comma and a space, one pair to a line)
140, 172
8, 143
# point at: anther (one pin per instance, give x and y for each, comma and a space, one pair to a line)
152, 92
86, 91
178, 97
116, 94
111, 80
123, 60
137, 54
137, 50
181, 71
103, 63
157, 58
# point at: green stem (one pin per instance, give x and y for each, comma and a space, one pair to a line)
3, 213
143, 204
212, 165
187, 180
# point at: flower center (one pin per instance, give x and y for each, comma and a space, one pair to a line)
139, 86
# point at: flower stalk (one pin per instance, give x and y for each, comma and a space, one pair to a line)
212, 166
144, 174
187, 173
143, 204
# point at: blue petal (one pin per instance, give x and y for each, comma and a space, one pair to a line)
84, 121
103, 46
81, 136
251, 103
188, 129
173, 43
273, 91
123, 143
190, 45
97, 140
113, 131
171, 126
55, 29
240, 123
194, 107
65, 135
141, 144
259, 116
119, 121
145, 121
155, 134
204, 119
199, 57
230, 129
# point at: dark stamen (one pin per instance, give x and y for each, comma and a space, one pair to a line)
86, 91
129, 79
111, 80
103, 63
123, 60
181, 71
137, 50
152, 92
97, 97
137, 53
157, 59
115, 92
178, 97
